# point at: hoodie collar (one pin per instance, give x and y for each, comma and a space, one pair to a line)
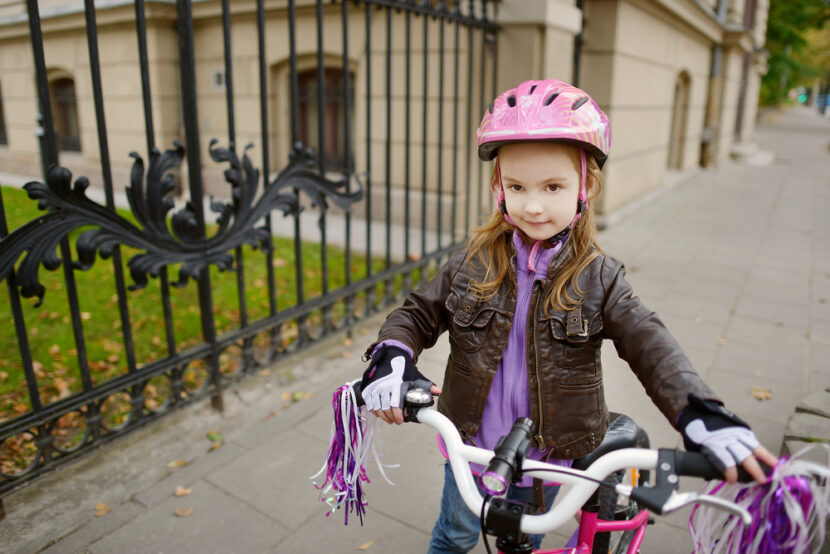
534, 259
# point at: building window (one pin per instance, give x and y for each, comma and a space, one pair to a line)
65, 109
334, 114
4, 139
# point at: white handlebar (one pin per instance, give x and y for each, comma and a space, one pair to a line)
582, 483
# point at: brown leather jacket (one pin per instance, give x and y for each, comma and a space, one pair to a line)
564, 370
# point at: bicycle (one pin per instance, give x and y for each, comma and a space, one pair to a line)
609, 489
612, 522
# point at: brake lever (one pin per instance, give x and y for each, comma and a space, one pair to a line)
677, 501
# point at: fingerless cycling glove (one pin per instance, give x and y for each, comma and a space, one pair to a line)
384, 378
724, 438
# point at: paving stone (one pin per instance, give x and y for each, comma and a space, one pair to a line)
817, 403
98, 528
188, 475
775, 310
820, 331
735, 390
769, 431
756, 331
379, 532
219, 522
769, 363
808, 427
810, 451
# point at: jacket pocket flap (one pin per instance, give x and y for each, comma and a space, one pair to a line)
477, 319
575, 331
468, 311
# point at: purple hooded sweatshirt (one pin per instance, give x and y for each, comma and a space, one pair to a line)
509, 397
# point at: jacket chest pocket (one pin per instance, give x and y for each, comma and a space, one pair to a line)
576, 341
470, 323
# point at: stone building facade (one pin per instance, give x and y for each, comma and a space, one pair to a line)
679, 80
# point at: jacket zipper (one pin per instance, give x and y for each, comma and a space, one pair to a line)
539, 437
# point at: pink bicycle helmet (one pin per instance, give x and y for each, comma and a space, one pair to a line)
547, 110
544, 110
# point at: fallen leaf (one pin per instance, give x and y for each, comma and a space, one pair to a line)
346, 354
181, 491
271, 414
698, 321
293, 397
214, 435
365, 545
177, 463
214, 446
347, 342
101, 509
183, 512
721, 341
760, 393
264, 373
62, 386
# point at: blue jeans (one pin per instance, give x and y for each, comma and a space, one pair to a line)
458, 528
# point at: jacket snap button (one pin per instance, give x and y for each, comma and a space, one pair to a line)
567, 451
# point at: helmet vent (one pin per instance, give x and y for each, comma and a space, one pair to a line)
532, 89
490, 108
551, 98
579, 102
511, 101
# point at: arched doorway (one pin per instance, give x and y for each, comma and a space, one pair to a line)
679, 116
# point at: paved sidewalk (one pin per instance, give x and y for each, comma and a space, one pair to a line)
736, 260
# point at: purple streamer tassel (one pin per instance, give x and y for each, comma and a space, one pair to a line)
351, 447
789, 512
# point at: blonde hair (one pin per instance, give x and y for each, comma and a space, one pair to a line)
490, 244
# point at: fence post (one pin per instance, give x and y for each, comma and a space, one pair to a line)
187, 66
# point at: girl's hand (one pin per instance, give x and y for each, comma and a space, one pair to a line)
752, 466
395, 415
724, 438
382, 382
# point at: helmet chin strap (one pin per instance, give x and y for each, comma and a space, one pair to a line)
581, 206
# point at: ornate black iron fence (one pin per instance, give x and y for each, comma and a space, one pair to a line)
382, 131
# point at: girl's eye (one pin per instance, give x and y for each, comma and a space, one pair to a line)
553, 188
514, 187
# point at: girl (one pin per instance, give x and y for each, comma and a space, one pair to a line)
528, 303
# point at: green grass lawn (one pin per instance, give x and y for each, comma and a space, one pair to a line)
50, 332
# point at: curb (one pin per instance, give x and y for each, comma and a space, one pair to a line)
809, 424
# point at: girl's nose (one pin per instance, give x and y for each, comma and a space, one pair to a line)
533, 206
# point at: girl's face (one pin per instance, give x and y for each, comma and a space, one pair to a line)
541, 186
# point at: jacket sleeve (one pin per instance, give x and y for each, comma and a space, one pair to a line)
643, 341
422, 318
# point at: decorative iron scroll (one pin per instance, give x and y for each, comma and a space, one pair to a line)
150, 202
